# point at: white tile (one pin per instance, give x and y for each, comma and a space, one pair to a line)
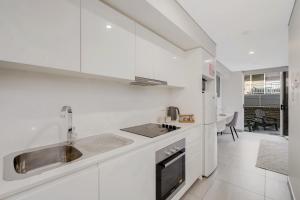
189, 196
249, 181
224, 191
276, 176
248, 166
200, 188
277, 190
237, 177
241, 157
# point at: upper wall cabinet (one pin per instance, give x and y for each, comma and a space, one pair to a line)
157, 58
107, 41
171, 67
146, 53
41, 33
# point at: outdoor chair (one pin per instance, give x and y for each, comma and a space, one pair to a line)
262, 120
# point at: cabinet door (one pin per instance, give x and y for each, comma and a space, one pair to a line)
41, 33
131, 176
171, 68
78, 186
210, 149
147, 54
156, 58
108, 41
193, 155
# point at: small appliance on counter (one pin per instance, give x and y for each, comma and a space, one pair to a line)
173, 112
151, 130
186, 118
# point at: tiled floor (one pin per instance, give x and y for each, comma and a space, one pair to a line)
236, 177
268, 131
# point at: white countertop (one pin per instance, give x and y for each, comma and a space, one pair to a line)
8, 188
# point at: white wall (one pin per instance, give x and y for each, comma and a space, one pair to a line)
168, 19
233, 96
30, 104
223, 70
224, 73
294, 101
174, 11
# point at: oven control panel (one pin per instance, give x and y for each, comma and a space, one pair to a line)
169, 150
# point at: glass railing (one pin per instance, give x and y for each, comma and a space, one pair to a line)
256, 89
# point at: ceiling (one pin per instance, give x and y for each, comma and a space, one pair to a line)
241, 26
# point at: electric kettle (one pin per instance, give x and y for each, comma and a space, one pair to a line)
172, 112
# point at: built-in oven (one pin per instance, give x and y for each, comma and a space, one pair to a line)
170, 170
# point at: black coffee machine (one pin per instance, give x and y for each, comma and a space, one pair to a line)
172, 112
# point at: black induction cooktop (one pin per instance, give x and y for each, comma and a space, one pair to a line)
151, 130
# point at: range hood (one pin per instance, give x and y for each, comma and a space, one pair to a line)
141, 81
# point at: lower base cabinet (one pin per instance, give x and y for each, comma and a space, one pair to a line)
129, 177
193, 155
82, 185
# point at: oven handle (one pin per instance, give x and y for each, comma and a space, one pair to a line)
174, 160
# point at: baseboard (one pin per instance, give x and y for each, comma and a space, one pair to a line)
291, 189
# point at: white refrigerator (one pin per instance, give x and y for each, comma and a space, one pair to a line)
209, 118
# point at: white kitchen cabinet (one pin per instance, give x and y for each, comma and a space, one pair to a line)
210, 154
107, 41
41, 33
156, 58
131, 176
171, 69
78, 186
193, 155
147, 54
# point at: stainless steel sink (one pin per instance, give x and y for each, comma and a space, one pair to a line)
47, 157
27, 163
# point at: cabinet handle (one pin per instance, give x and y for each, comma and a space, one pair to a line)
174, 160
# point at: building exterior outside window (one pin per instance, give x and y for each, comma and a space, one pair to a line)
262, 92
268, 83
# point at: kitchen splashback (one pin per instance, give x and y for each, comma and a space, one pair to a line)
30, 104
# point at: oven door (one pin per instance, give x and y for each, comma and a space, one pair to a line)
170, 176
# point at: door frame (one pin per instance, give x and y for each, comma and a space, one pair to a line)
283, 101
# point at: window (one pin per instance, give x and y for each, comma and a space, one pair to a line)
272, 83
258, 83
268, 83
247, 84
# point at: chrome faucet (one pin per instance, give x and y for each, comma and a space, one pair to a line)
66, 112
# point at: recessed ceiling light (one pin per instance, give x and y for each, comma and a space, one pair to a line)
174, 57
251, 52
208, 61
108, 26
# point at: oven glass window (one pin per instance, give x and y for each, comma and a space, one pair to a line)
170, 176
